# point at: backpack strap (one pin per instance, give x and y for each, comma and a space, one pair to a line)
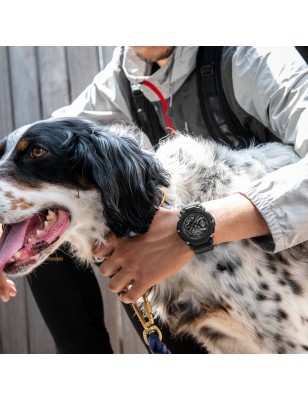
146, 116
220, 120
142, 110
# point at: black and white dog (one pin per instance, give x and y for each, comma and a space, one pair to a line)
72, 180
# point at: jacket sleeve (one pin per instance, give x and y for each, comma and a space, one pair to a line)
105, 99
272, 85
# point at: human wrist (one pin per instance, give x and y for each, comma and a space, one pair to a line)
170, 221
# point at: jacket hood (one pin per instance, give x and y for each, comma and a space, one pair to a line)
169, 78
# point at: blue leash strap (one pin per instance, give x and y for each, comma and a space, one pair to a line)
156, 345
151, 334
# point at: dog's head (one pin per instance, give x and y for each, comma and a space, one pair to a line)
61, 175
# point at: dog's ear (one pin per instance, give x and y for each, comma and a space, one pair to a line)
127, 177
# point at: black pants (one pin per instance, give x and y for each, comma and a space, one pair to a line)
70, 302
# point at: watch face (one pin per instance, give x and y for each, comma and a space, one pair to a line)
195, 226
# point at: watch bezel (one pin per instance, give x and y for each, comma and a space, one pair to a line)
208, 236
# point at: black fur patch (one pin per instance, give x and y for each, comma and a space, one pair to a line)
291, 345
264, 286
278, 337
212, 334
295, 286
281, 258
281, 315
261, 296
252, 314
280, 350
229, 266
272, 268
277, 297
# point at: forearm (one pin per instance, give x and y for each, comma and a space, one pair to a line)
236, 218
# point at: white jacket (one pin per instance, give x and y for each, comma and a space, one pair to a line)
268, 84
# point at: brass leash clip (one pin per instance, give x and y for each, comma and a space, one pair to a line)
147, 321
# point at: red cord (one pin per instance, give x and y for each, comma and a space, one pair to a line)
164, 104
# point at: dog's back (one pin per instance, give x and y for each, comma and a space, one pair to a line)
237, 298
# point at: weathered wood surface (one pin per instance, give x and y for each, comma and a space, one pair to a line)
34, 81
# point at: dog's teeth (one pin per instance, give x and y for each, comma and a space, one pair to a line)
46, 223
38, 232
51, 215
30, 240
16, 257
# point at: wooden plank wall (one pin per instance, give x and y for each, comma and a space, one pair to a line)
34, 81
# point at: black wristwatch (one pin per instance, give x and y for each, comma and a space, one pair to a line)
196, 227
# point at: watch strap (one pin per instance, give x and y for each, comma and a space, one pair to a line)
202, 248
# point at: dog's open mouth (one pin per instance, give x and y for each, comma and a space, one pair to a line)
22, 243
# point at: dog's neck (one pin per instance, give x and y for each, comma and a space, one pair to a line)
94, 223
88, 225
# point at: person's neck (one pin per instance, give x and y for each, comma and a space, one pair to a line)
163, 62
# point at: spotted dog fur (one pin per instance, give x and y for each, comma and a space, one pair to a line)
237, 298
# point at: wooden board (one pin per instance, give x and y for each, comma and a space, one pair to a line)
54, 81
27, 109
6, 111
82, 66
13, 315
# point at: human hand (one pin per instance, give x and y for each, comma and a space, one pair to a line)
7, 288
144, 260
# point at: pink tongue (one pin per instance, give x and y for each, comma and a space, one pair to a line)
11, 242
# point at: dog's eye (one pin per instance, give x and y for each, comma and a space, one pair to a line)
37, 152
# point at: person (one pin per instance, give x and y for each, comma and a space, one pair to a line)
267, 90
271, 86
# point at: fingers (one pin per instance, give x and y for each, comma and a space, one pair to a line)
7, 289
103, 251
117, 260
122, 281
133, 294
110, 265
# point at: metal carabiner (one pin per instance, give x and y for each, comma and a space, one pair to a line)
147, 321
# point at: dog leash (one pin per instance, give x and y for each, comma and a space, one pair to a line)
151, 333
